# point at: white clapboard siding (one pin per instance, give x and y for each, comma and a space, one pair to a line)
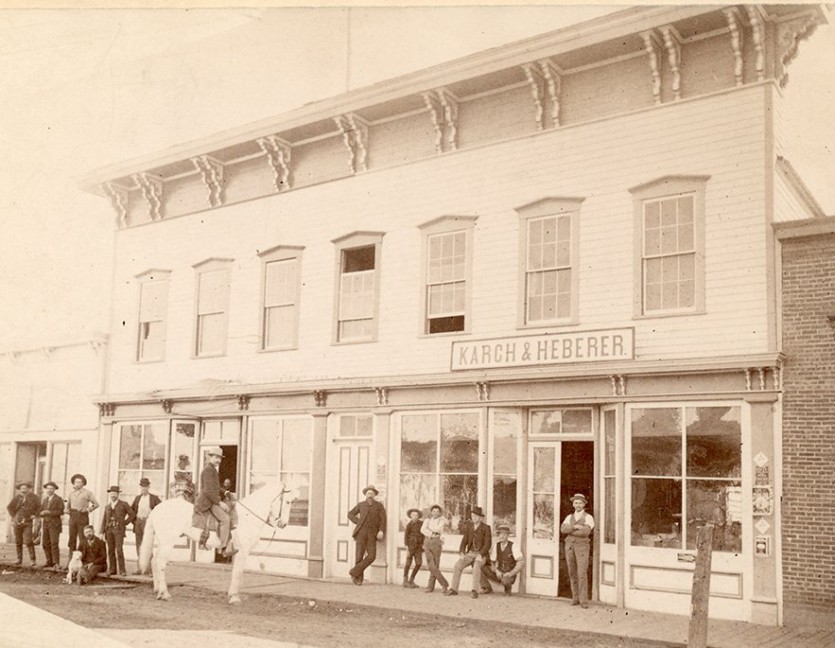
722, 136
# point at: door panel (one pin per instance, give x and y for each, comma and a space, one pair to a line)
353, 463
543, 526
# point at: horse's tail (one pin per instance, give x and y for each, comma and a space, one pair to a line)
146, 550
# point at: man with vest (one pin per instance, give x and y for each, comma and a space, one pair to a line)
577, 528
52, 508
114, 524
508, 563
211, 495
23, 508
142, 506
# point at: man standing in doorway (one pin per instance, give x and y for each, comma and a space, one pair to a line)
142, 506
369, 516
52, 508
114, 525
23, 508
210, 497
80, 503
577, 528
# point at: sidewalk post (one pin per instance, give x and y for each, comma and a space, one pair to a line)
699, 598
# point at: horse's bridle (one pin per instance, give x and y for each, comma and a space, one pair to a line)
281, 495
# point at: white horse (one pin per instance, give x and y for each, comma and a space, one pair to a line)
171, 520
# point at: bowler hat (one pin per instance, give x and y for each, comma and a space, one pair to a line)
579, 496
114, 489
144, 482
24, 483
477, 511
214, 450
370, 487
78, 476
51, 483
416, 510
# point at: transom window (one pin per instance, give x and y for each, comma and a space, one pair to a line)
552, 422
355, 425
686, 472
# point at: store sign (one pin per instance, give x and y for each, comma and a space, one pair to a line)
533, 350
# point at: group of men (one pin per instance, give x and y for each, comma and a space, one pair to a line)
503, 567
32, 516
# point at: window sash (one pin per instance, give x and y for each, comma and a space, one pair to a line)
212, 291
280, 283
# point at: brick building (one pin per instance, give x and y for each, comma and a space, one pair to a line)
541, 269
808, 310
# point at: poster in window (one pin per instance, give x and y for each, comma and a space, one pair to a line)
763, 500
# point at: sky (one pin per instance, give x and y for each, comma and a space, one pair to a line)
86, 88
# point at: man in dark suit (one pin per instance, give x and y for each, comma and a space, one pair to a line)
142, 506
474, 550
211, 495
369, 517
52, 508
23, 508
93, 555
114, 523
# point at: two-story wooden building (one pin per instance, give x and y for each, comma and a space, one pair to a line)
542, 269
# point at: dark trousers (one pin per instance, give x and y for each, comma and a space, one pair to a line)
416, 555
78, 520
49, 540
89, 572
139, 531
366, 552
115, 551
23, 536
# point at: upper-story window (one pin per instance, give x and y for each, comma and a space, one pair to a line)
447, 273
153, 310
358, 265
213, 278
549, 243
669, 232
280, 297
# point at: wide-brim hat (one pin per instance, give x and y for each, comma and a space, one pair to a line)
214, 450
114, 489
579, 496
370, 487
415, 510
24, 483
144, 482
477, 511
51, 483
78, 476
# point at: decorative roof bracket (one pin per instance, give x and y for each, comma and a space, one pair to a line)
278, 152
151, 187
355, 136
552, 73
652, 46
672, 42
734, 19
757, 19
789, 34
537, 83
443, 108
212, 172
544, 75
119, 200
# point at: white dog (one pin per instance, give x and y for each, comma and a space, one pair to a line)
74, 568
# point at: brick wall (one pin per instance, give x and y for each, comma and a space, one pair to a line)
809, 420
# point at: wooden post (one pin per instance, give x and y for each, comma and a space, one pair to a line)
699, 599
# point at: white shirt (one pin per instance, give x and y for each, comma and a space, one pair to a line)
576, 516
144, 508
433, 525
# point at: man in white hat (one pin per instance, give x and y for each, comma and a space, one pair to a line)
577, 528
211, 495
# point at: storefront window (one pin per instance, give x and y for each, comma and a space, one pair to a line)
182, 453
280, 449
439, 464
505, 431
673, 496
142, 449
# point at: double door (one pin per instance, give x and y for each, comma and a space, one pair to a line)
556, 470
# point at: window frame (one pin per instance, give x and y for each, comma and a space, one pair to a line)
152, 276
551, 206
352, 241
434, 227
278, 254
211, 265
668, 187
159, 486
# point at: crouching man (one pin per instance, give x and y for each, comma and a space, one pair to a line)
93, 556
506, 565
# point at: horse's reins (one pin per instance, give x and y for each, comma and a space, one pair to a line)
280, 510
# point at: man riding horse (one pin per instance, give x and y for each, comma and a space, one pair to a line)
210, 498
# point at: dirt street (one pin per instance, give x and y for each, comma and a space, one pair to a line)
114, 604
